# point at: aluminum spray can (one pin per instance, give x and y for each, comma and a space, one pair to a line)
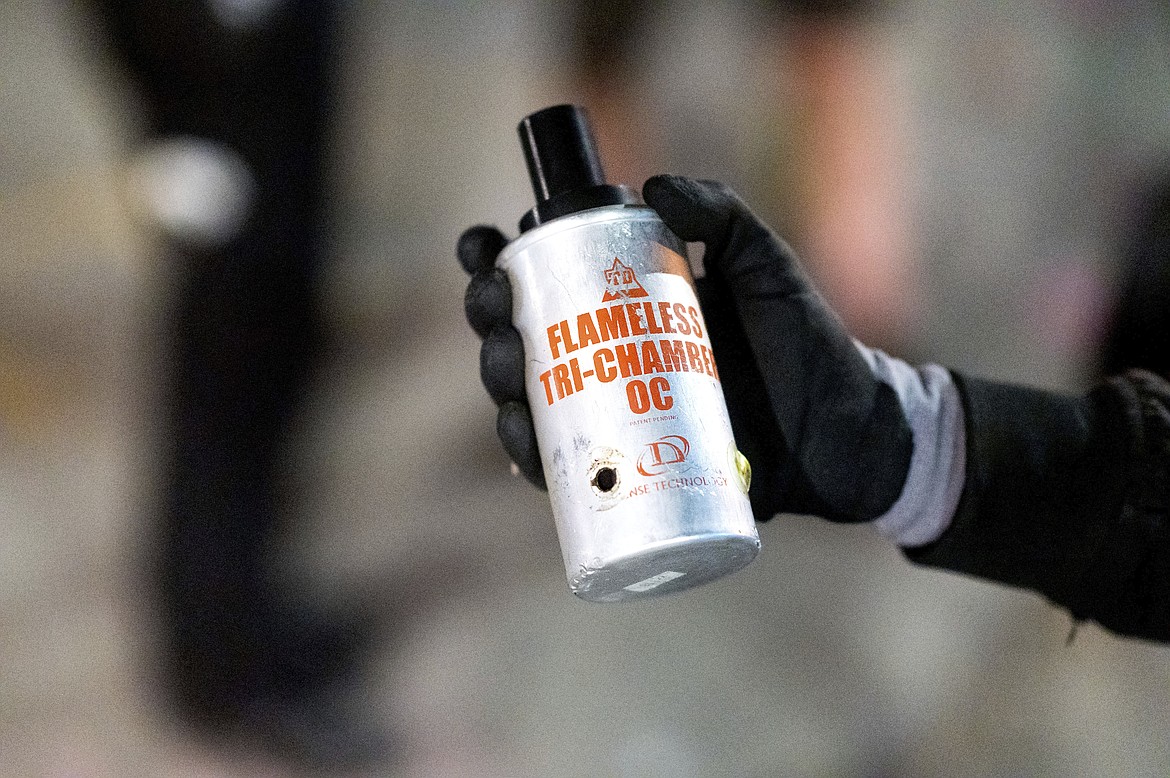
648, 489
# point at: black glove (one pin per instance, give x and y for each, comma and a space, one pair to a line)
488, 303
824, 437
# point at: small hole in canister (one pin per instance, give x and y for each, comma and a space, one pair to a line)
605, 479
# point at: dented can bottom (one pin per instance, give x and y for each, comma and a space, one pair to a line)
662, 568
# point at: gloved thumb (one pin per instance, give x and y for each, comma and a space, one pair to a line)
846, 429
740, 248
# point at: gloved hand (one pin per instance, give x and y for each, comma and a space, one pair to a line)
824, 436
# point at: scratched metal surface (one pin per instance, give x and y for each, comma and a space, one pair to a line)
684, 521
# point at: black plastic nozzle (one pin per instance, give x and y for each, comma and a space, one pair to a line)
560, 151
564, 167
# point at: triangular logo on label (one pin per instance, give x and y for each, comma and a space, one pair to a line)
621, 283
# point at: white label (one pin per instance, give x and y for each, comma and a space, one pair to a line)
653, 581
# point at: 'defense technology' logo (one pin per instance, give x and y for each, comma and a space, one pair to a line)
621, 283
660, 455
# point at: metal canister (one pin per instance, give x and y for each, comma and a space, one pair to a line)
648, 489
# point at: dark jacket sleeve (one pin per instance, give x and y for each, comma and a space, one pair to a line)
1069, 496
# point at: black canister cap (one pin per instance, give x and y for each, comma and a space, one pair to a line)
564, 167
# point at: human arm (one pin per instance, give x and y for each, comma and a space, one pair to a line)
1063, 495
1068, 496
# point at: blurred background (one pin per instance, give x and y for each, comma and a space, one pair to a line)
254, 519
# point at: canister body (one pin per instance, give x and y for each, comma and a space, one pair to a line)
648, 490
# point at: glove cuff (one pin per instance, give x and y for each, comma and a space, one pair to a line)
934, 483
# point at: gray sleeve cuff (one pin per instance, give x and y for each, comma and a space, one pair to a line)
934, 484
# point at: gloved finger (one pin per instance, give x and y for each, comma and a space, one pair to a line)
514, 426
488, 301
478, 248
501, 365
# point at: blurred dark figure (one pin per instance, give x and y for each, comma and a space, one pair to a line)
1140, 331
243, 657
